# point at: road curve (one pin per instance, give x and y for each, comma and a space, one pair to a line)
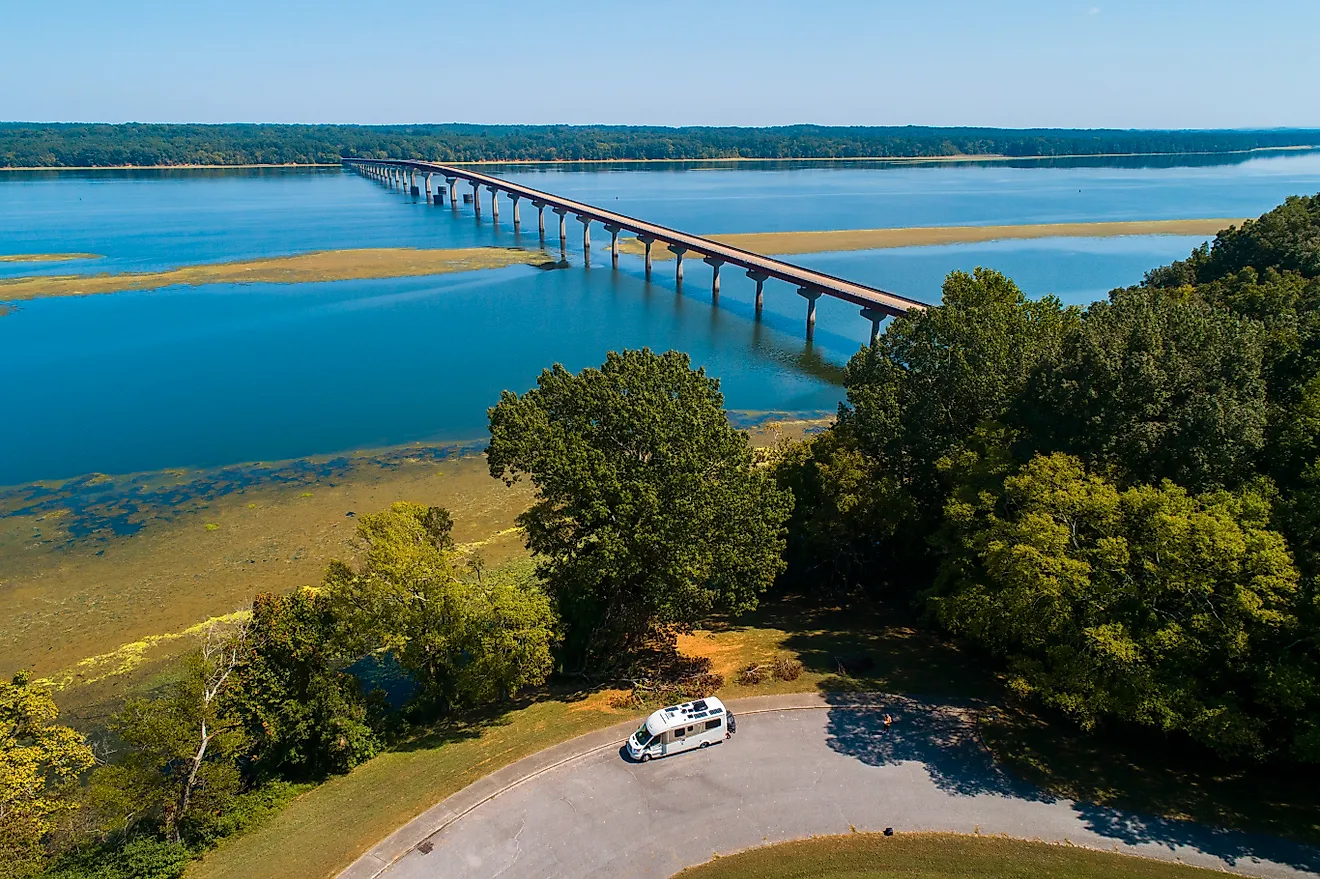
799, 766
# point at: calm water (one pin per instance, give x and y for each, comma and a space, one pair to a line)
191, 377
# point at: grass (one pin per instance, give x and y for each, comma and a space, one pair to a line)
325, 829
328, 265
69, 595
782, 243
933, 856
1154, 776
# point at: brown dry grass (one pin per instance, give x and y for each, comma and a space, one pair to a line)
327, 265
876, 239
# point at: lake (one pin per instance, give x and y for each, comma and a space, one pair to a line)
200, 377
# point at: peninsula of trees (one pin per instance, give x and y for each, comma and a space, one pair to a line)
69, 145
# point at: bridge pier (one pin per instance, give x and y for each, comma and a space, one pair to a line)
412, 184
678, 250
760, 279
811, 296
476, 199
874, 317
426, 179
563, 227
614, 243
494, 205
714, 263
453, 192
586, 231
517, 220
540, 217
648, 241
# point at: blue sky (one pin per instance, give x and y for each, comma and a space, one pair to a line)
1157, 63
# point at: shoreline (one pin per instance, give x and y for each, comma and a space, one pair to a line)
984, 157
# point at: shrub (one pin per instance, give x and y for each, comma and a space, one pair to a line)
142, 858
670, 693
754, 673
788, 668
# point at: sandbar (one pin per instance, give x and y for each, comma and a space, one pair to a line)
46, 257
781, 243
327, 265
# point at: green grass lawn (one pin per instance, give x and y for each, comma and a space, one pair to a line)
933, 856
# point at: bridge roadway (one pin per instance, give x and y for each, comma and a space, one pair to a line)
876, 304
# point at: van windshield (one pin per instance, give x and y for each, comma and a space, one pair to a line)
642, 737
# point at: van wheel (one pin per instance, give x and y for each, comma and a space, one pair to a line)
705, 744
646, 758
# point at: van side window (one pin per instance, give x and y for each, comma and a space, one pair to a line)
712, 724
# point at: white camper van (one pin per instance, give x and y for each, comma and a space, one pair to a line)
681, 728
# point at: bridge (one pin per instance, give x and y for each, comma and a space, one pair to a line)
404, 174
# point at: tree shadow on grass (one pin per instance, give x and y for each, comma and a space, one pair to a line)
873, 647
1131, 768
940, 735
1231, 846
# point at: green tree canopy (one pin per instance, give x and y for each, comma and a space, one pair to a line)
467, 639
1146, 605
183, 744
935, 375
649, 511
40, 764
1156, 385
304, 715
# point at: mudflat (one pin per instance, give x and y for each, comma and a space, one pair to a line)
780, 243
325, 265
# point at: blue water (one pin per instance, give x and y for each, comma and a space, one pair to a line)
193, 377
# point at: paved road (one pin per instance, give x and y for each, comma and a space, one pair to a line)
787, 774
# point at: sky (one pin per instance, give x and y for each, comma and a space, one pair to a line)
1137, 64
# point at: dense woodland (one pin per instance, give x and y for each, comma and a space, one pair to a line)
26, 145
1119, 506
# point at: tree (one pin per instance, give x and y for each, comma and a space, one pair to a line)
465, 640
649, 511
848, 512
1156, 385
304, 715
1147, 605
183, 745
935, 375
40, 764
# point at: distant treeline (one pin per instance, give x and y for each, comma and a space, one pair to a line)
87, 145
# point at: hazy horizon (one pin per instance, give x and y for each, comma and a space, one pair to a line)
1178, 65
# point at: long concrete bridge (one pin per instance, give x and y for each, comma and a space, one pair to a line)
415, 177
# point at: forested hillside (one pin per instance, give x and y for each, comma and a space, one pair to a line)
91, 145
1122, 502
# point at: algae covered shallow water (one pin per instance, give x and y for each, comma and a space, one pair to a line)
226, 373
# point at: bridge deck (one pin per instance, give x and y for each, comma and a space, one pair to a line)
859, 294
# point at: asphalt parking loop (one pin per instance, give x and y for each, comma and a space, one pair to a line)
790, 774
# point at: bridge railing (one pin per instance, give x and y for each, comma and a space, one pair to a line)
876, 304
